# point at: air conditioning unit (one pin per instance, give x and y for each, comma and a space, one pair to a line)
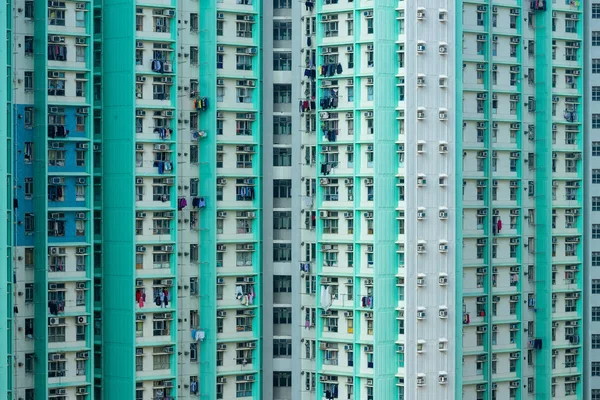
81, 390
139, 44
140, 249
82, 355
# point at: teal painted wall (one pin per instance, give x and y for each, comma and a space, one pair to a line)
118, 160
40, 200
543, 200
207, 186
385, 201
5, 195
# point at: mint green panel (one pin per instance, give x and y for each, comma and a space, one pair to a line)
4, 204
385, 202
40, 180
118, 161
543, 200
458, 104
207, 188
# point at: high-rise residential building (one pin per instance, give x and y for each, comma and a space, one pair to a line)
368, 199
591, 314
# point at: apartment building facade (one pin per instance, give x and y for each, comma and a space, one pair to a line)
592, 360
294, 200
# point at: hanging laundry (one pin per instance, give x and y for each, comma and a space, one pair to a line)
181, 203
499, 225
325, 298
201, 202
239, 292
157, 66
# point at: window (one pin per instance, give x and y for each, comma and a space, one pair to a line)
283, 126
29, 9
282, 157
596, 66
595, 368
243, 160
244, 29
29, 224
369, 25
29, 363
282, 315
282, 252
162, 24
56, 17
282, 348
28, 188
282, 220
595, 314
243, 95
193, 351
595, 286
28, 45
595, 203
282, 94
282, 188
80, 19
220, 30
243, 63
280, 4
596, 10
28, 80
56, 334
80, 297
596, 342
28, 293
194, 55
595, 231
282, 30
159, 360
56, 369
595, 121
370, 93
595, 258
243, 389
282, 61
282, 379
56, 85
282, 284
194, 22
